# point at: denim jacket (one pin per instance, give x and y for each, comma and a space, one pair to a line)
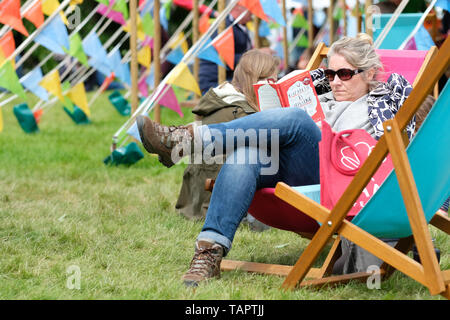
383, 102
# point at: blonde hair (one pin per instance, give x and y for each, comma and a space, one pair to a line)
253, 66
360, 53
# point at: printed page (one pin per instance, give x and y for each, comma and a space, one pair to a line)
268, 97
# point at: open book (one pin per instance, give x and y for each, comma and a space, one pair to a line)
295, 89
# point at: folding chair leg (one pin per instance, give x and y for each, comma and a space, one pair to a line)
333, 255
404, 245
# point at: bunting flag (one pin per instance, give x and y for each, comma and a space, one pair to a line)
300, 21
122, 7
34, 14
264, 29
105, 2
420, 41
52, 83
31, 82
105, 9
255, 7
10, 81
77, 95
182, 77
180, 41
444, 4
147, 25
140, 31
225, 47
144, 56
175, 56
50, 6
142, 86
7, 44
76, 49
303, 42
121, 70
204, 23
10, 15
38, 114
54, 37
98, 55
169, 100
272, 9
209, 53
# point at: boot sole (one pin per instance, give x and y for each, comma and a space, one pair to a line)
140, 122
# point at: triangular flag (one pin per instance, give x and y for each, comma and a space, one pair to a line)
140, 31
54, 37
180, 41
115, 16
34, 14
300, 21
225, 47
7, 44
78, 96
38, 114
143, 86
76, 49
144, 56
50, 6
255, 7
181, 76
272, 9
105, 2
10, 15
147, 25
122, 7
52, 83
98, 56
10, 81
303, 42
121, 70
31, 82
175, 56
209, 53
169, 100
203, 23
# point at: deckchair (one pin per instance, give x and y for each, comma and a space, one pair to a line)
404, 205
284, 219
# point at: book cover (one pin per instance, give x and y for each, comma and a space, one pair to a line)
295, 89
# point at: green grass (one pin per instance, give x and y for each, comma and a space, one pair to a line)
60, 206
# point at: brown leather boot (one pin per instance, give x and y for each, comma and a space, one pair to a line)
162, 140
205, 264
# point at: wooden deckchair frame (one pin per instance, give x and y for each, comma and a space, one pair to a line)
333, 221
319, 273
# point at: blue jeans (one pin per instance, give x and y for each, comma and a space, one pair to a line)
295, 156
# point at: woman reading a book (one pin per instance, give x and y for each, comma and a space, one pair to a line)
278, 144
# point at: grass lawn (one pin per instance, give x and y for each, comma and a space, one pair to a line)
62, 209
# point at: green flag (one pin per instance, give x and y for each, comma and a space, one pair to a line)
147, 25
105, 2
303, 42
10, 81
300, 22
121, 6
76, 49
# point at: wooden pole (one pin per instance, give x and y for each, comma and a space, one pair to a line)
133, 49
331, 21
344, 10
368, 22
310, 25
285, 42
156, 57
221, 71
195, 37
257, 23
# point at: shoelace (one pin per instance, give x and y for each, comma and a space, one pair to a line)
202, 261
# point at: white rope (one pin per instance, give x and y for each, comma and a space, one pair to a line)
390, 23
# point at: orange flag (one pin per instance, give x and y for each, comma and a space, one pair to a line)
7, 44
255, 7
10, 15
37, 114
34, 14
225, 47
203, 23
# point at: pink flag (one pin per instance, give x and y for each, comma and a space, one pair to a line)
143, 87
112, 14
169, 100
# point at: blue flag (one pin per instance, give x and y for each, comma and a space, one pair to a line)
98, 56
31, 82
175, 56
54, 36
208, 52
272, 9
121, 70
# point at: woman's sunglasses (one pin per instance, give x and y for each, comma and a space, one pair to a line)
343, 74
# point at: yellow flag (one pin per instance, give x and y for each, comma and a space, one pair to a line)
52, 83
78, 96
182, 77
144, 56
49, 6
180, 41
1, 120
140, 29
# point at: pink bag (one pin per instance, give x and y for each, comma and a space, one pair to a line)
341, 155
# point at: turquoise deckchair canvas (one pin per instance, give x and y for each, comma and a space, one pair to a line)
402, 28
